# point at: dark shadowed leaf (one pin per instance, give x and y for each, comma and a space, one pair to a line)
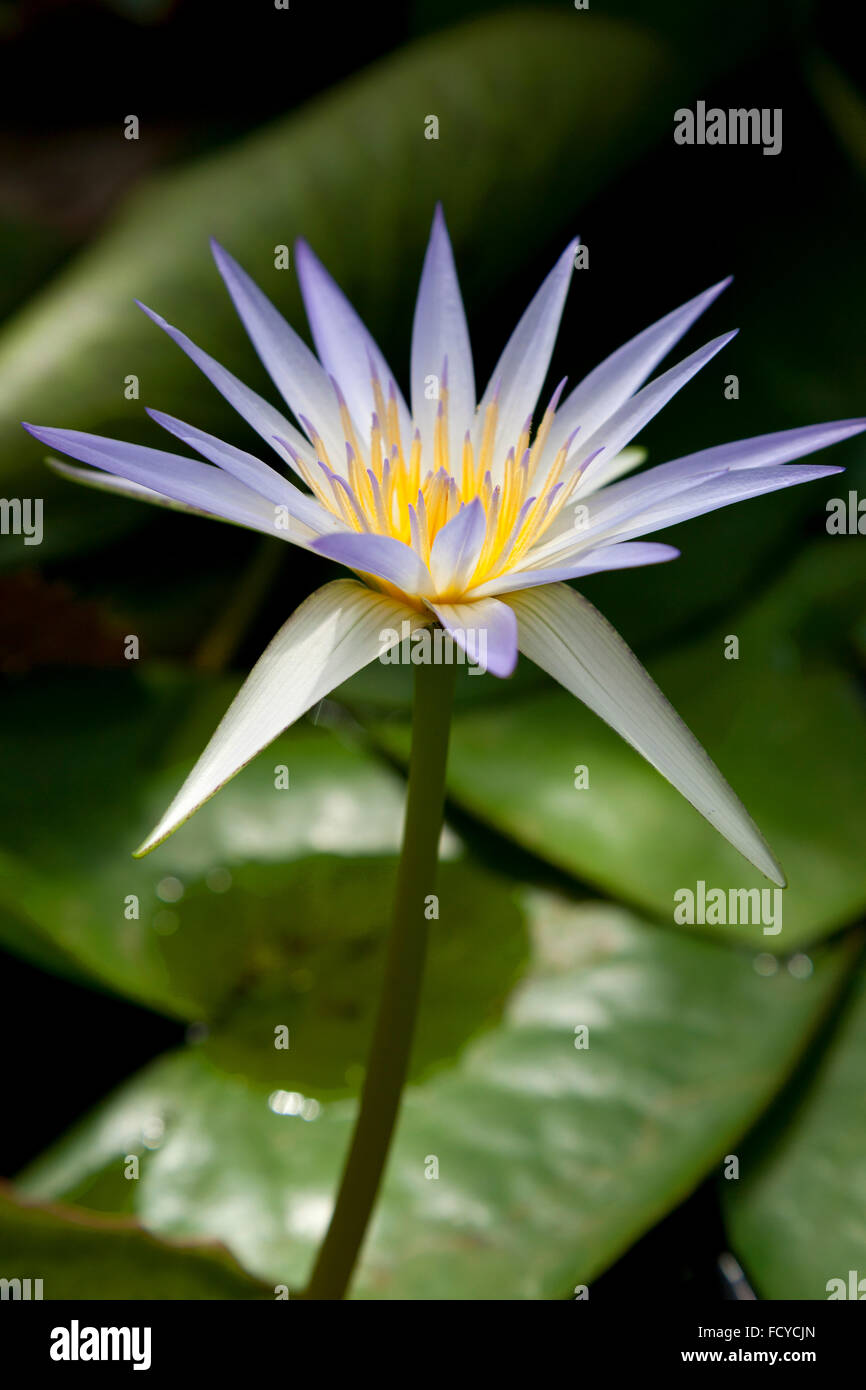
795, 1216
82, 1255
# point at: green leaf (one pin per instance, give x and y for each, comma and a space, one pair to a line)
28, 252
795, 1215
78, 1254
262, 892
551, 1158
90, 762
784, 722
355, 174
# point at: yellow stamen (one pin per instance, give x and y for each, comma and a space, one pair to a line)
411, 496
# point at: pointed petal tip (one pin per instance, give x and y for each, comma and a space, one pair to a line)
304, 254
45, 434
846, 428
764, 860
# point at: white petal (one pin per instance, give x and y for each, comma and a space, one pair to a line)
440, 333
611, 468
335, 632
564, 635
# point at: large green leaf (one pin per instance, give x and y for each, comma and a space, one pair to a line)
796, 1213
253, 900
90, 762
80, 1254
551, 1158
355, 174
785, 722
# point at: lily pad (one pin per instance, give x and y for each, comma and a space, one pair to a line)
90, 762
796, 1214
522, 1167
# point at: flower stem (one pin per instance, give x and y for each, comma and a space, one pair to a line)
391, 1046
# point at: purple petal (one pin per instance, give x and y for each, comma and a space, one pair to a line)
605, 511
631, 417
344, 345
186, 480
292, 367
383, 556
519, 374
718, 491
457, 546
485, 629
611, 383
253, 408
761, 451
606, 557
251, 471
439, 332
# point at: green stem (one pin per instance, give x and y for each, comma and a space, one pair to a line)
388, 1060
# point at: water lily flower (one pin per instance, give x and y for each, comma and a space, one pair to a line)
472, 514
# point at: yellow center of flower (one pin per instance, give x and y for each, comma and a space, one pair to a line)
410, 498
